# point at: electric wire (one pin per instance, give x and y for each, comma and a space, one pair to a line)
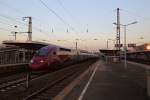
11, 7
66, 10
4, 29
136, 15
21, 24
19, 12
60, 18
16, 20
54, 13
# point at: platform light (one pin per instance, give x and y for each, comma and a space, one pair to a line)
148, 47
125, 47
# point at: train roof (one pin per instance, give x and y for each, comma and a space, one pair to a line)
35, 45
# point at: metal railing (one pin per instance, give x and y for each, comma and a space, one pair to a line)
14, 56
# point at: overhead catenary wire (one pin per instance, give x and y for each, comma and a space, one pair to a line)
66, 10
4, 29
18, 21
16, 10
12, 19
136, 15
70, 14
52, 11
11, 7
22, 13
10, 24
3, 22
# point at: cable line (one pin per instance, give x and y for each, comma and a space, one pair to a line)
66, 10
55, 13
4, 29
136, 15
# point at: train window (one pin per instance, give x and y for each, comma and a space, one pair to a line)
64, 49
42, 52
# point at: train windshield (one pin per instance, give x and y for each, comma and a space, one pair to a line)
42, 52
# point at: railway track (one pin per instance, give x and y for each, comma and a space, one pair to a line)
45, 86
7, 85
52, 89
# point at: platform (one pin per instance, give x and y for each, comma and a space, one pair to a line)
111, 81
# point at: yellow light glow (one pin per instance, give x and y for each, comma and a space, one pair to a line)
148, 47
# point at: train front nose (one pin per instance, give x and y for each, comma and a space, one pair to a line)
37, 63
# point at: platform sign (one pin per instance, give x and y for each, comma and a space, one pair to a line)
117, 45
131, 45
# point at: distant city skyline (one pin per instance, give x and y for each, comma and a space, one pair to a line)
89, 21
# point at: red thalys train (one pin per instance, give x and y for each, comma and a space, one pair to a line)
51, 57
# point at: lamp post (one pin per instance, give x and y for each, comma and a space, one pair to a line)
125, 47
76, 44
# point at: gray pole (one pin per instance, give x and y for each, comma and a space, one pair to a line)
118, 33
107, 43
15, 35
125, 48
76, 45
30, 29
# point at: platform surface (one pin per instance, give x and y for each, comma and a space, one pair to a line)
111, 81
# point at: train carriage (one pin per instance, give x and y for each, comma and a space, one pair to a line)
52, 57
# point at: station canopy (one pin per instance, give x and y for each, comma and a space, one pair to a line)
32, 45
109, 52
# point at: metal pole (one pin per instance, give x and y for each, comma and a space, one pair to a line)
118, 32
27, 79
30, 29
107, 43
77, 47
15, 35
125, 48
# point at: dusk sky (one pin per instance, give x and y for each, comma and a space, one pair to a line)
89, 21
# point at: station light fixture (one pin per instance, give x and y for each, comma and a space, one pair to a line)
148, 47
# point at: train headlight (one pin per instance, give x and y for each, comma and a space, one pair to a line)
41, 61
31, 61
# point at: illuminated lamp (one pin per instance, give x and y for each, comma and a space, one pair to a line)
148, 47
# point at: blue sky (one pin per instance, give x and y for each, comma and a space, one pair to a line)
78, 15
